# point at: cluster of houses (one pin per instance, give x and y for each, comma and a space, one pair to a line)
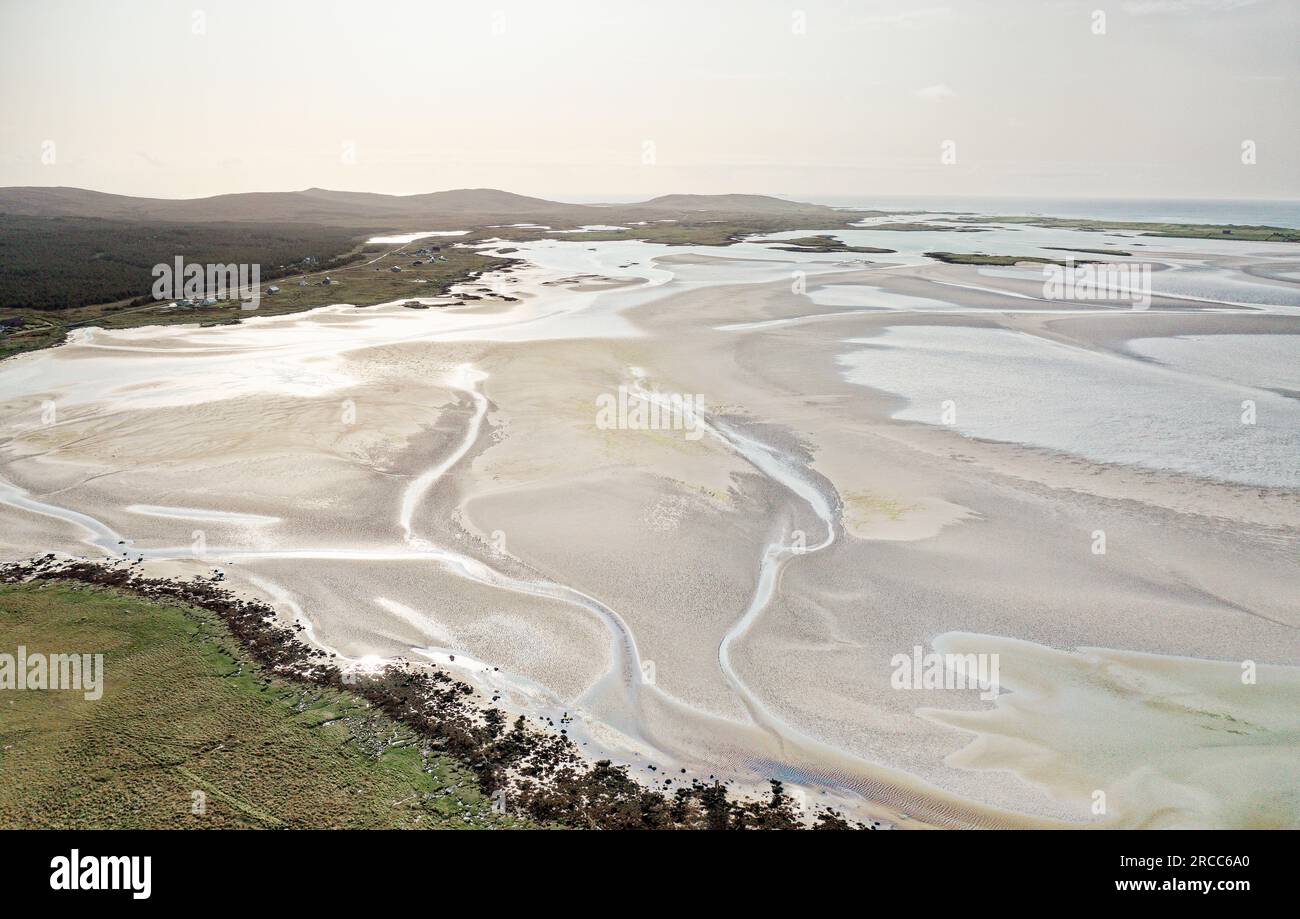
428, 254
189, 304
424, 254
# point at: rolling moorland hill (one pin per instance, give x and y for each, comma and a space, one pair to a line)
435, 210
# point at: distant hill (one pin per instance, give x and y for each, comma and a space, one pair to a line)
60, 201
435, 210
70, 256
730, 204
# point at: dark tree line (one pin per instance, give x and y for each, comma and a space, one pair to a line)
59, 263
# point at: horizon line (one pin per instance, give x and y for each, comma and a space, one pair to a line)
630, 197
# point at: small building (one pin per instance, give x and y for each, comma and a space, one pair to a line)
273, 289
395, 269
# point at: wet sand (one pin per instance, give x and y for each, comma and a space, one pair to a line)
423, 483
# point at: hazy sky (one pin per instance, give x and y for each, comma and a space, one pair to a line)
575, 99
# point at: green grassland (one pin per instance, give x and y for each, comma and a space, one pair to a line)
1172, 230
184, 710
63, 263
694, 232
821, 243
979, 258
59, 274
362, 274
921, 227
1114, 252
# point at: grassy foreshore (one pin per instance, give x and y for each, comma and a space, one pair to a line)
191, 732
980, 258
362, 276
821, 243
363, 273
206, 692
1171, 230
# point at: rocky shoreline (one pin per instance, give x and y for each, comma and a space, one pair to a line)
536, 775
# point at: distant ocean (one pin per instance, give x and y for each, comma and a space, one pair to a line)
1278, 213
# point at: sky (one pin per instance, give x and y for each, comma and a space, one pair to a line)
813, 99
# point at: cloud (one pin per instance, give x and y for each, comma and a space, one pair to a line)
936, 92
909, 19
1156, 7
